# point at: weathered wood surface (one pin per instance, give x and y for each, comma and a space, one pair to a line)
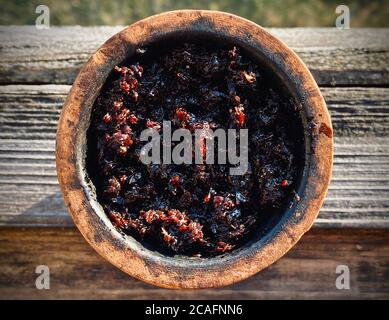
36, 68
308, 271
30, 196
356, 58
335, 57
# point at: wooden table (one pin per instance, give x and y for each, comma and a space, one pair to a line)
37, 68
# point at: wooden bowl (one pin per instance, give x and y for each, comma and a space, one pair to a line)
125, 252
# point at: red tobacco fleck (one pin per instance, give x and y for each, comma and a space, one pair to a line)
172, 212
132, 82
207, 197
223, 246
233, 53
217, 201
284, 183
167, 237
122, 70
228, 204
138, 225
183, 228
117, 105
181, 222
150, 216
133, 119
122, 116
117, 219
195, 229
125, 113
124, 86
137, 69
175, 180
122, 139
126, 129
153, 125
140, 71
107, 118
128, 141
239, 116
123, 178
113, 188
182, 115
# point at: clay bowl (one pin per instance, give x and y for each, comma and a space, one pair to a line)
183, 272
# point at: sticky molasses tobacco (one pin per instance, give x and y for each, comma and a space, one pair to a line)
199, 209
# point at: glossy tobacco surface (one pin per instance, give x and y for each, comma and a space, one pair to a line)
197, 210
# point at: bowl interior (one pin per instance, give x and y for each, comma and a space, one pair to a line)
269, 224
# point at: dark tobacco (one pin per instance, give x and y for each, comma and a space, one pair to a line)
197, 210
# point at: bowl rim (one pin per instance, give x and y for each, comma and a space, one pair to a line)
126, 253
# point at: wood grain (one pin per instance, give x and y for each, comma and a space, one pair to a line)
30, 196
32, 111
354, 62
307, 271
335, 57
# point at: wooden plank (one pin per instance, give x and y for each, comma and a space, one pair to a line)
335, 57
32, 111
358, 194
30, 196
307, 271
